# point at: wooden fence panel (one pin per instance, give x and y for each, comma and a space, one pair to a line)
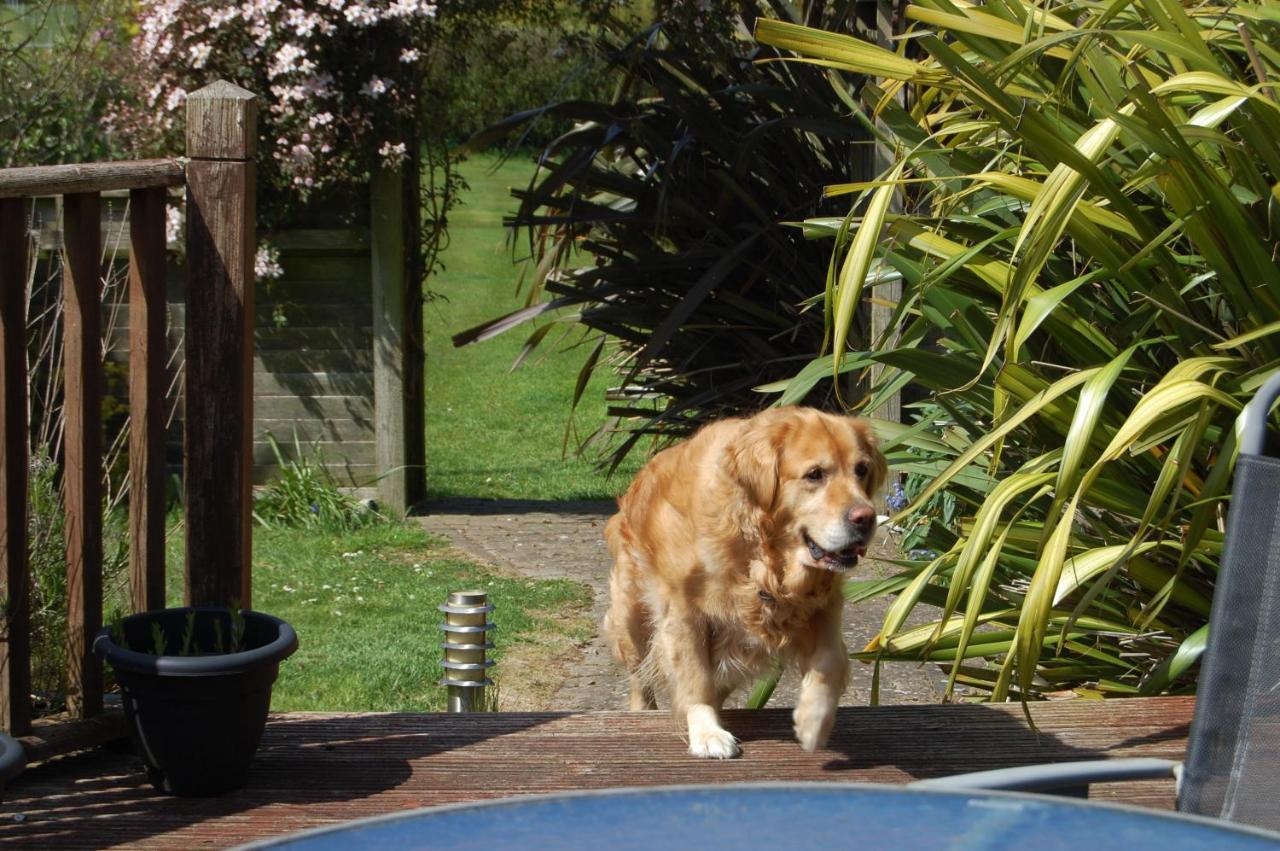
15, 628
82, 456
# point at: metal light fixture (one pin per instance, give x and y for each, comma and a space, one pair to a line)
466, 615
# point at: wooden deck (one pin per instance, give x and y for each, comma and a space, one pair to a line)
316, 769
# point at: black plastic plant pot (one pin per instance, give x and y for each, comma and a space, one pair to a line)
196, 719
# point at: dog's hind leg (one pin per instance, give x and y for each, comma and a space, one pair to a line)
629, 632
642, 694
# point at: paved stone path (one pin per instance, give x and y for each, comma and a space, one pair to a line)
565, 540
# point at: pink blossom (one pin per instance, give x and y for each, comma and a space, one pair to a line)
410, 8
302, 22
199, 54
266, 262
285, 60
218, 17
361, 15
175, 99
375, 88
392, 155
174, 222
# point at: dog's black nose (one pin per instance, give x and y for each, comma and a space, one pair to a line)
863, 520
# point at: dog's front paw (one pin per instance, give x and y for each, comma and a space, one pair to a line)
813, 725
707, 738
714, 744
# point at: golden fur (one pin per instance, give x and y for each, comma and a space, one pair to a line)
728, 553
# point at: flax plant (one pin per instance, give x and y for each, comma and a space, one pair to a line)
1084, 217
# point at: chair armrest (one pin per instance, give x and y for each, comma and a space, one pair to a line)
1069, 778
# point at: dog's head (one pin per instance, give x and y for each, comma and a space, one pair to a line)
814, 476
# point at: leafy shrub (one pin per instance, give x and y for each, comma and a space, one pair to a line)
1089, 234
473, 91
304, 495
56, 79
660, 221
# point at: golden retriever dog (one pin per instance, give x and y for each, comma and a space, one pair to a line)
729, 551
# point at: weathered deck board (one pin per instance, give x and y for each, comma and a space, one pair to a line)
316, 769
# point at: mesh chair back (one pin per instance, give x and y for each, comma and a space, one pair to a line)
1232, 768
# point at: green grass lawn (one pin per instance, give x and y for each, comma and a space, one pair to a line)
492, 432
364, 605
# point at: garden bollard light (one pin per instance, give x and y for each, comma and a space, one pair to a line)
466, 616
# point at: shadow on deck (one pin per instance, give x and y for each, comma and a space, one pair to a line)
316, 769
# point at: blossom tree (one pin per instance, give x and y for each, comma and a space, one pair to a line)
341, 83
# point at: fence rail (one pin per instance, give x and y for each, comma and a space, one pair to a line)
219, 180
91, 177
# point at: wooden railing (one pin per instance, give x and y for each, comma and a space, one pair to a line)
218, 173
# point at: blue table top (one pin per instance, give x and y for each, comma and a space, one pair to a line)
782, 816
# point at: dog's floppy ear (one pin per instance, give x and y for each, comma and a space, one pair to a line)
866, 438
752, 460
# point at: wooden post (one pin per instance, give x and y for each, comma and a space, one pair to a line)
221, 224
891, 292
397, 340
15, 628
82, 456
146, 397
878, 23
415, 382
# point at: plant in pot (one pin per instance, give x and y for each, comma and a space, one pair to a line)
196, 685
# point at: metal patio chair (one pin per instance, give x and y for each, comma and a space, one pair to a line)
1232, 766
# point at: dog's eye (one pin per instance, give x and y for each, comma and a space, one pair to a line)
815, 475
861, 469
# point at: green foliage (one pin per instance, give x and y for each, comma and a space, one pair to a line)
237, 628
47, 563
188, 635
472, 91
159, 643
659, 222
203, 633
1087, 246
304, 495
56, 79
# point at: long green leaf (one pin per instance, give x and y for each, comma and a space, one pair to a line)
1188, 652
853, 274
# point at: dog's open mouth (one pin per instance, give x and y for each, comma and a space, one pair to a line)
837, 560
